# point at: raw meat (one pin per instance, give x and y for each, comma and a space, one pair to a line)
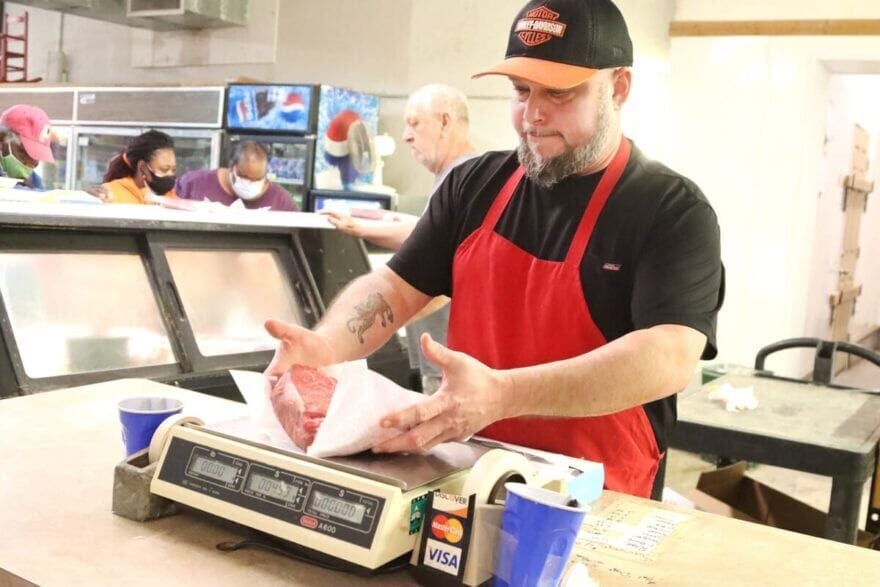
300, 400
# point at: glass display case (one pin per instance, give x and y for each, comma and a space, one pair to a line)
62, 326
90, 125
95, 146
178, 297
54, 175
195, 149
229, 294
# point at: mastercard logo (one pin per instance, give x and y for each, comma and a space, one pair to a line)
448, 529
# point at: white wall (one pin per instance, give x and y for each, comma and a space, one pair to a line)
751, 117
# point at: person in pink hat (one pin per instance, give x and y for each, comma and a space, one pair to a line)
25, 140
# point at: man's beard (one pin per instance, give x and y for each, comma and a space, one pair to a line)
548, 172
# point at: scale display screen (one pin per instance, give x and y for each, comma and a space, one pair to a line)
206, 467
337, 508
237, 484
273, 487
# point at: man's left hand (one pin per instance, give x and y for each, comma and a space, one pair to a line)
344, 223
471, 397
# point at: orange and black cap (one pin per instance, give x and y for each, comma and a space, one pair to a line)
562, 43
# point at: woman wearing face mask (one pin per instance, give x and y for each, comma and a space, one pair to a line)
25, 141
244, 180
143, 170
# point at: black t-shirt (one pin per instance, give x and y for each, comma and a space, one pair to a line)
654, 256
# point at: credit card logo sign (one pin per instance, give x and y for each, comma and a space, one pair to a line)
448, 529
442, 557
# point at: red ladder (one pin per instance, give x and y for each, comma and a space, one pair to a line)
14, 61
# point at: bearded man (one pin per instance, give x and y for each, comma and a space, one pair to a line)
585, 279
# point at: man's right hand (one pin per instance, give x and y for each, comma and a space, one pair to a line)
299, 346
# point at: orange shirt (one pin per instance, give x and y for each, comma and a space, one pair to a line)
125, 191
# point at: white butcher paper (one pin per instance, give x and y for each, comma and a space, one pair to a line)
256, 389
352, 424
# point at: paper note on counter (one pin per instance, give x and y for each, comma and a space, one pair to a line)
628, 528
624, 539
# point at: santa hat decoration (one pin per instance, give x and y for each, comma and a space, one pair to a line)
294, 108
336, 139
336, 144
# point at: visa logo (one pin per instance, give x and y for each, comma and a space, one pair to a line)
443, 557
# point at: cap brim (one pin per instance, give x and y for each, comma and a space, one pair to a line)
37, 150
560, 76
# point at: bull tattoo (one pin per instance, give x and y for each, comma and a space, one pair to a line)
367, 313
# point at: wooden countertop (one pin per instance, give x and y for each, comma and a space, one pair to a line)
58, 451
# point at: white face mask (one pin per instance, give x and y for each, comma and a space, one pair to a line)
246, 189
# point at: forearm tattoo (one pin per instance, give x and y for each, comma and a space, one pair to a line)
366, 313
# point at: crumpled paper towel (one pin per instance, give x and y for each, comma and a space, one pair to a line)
361, 399
577, 575
735, 398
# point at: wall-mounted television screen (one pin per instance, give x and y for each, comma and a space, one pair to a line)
271, 108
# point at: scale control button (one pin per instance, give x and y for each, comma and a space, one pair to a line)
308, 522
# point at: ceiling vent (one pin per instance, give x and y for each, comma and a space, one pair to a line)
189, 14
162, 15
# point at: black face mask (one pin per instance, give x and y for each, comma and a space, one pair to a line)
160, 185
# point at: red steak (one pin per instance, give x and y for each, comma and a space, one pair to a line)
300, 400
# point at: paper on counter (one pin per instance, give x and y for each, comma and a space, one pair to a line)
735, 398
361, 399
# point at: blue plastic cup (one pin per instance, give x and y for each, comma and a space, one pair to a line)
140, 416
538, 532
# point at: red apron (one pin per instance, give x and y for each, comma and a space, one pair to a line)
511, 309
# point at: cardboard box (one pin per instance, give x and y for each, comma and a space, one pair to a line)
729, 492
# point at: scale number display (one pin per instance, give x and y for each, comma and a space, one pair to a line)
215, 467
273, 487
337, 508
206, 467
276, 486
342, 506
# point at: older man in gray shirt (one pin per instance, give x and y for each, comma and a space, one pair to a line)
437, 132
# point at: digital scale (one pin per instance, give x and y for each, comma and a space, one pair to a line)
364, 509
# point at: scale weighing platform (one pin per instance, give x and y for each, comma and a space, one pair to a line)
358, 509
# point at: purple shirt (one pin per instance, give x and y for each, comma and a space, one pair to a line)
205, 185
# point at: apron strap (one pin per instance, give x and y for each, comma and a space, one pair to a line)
503, 198
597, 202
